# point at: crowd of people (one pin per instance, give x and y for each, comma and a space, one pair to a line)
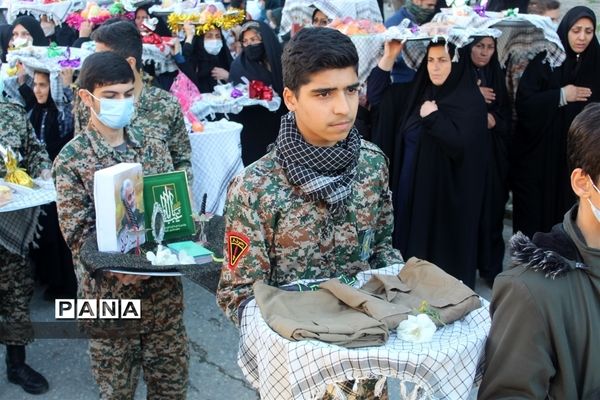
337, 180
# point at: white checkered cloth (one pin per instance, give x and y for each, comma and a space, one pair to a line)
216, 159
35, 58
370, 50
525, 34
300, 11
162, 59
219, 102
445, 368
19, 218
57, 12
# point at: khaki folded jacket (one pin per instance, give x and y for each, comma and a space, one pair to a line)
350, 317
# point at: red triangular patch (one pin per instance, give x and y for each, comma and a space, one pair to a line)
237, 246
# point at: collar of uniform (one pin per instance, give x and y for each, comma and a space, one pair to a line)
145, 99
103, 149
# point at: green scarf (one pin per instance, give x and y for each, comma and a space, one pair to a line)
421, 15
590, 255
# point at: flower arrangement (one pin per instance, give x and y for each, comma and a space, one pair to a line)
97, 15
209, 18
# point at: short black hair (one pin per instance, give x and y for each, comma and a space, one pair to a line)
103, 69
583, 141
123, 38
313, 50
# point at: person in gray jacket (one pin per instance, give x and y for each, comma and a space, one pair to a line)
544, 341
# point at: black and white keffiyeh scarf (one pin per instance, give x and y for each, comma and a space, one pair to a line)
322, 173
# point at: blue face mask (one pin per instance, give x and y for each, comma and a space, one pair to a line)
115, 113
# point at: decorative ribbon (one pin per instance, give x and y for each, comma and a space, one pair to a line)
258, 90
235, 93
54, 51
480, 10
512, 12
67, 62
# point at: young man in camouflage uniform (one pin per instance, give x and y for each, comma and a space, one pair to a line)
160, 345
16, 281
158, 113
318, 204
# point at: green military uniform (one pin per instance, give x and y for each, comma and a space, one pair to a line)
160, 348
263, 209
275, 235
16, 282
157, 113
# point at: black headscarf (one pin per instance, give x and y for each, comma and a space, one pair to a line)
34, 28
253, 70
5, 35
585, 70
539, 149
440, 220
492, 76
203, 63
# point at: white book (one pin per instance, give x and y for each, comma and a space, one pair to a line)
119, 203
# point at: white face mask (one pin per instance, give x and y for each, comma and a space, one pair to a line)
213, 46
21, 42
595, 209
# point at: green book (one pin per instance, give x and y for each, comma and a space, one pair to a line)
170, 190
200, 253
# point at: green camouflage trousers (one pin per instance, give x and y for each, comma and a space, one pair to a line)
16, 289
162, 356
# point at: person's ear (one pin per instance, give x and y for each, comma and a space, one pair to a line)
581, 184
131, 62
85, 97
289, 98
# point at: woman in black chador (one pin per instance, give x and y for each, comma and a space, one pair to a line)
435, 132
489, 76
260, 60
547, 101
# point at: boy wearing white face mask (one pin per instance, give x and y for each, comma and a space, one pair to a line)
159, 342
546, 311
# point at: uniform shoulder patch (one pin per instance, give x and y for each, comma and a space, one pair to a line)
238, 245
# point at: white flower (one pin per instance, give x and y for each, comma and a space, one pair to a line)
417, 329
185, 258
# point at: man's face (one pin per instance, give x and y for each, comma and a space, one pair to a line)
426, 4
326, 106
115, 91
41, 87
130, 196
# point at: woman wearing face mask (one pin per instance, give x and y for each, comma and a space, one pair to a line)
260, 60
489, 76
54, 128
27, 31
208, 58
547, 102
433, 130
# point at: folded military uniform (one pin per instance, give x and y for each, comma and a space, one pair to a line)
350, 317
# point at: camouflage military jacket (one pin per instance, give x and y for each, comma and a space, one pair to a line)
157, 113
275, 235
17, 133
74, 167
